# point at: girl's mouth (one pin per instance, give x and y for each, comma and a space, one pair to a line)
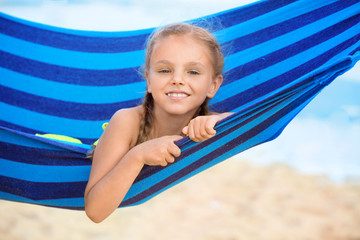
177, 95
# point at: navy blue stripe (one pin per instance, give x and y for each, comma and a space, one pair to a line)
72, 42
71, 110
244, 13
86, 77
291, 50
66, 207
249, 95
41, 191
290, 25
23, 129
51, 142
38, 156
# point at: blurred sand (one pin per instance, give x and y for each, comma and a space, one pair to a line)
233, 200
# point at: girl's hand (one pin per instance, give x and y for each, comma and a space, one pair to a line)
202, 127
159, 151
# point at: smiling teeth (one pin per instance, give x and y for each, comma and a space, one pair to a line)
177, 95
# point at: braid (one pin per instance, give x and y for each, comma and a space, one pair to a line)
203, 109
147, 120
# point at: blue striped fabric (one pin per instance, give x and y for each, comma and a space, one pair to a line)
279, 55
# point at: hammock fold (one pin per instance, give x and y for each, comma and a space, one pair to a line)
279, 56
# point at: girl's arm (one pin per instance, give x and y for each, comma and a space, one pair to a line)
116, 163
202, 127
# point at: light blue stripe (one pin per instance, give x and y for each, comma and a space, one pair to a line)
13, 138
76, 31
63, 202
282, 67
44, 173
72, 93
73, 59
51, 124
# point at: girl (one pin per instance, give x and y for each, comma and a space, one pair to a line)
183, 70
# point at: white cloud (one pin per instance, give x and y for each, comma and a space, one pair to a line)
352, 111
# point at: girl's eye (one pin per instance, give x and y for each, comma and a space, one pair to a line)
164, 71
193, 72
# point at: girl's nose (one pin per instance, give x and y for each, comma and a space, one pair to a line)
177, 79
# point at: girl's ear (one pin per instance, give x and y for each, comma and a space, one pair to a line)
215, 85
148, 85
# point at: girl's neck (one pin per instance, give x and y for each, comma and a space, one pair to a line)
167, 124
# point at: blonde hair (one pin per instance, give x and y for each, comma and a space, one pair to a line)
197, 33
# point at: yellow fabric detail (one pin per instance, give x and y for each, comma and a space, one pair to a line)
103, 127
59, 137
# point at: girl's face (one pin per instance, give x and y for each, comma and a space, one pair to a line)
181, 75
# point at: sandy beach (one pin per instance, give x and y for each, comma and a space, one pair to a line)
233, 200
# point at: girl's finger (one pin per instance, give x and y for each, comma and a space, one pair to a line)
185, 130
174, 150
169, 159
210, 126
191, 132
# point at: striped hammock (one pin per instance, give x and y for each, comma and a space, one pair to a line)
280, 55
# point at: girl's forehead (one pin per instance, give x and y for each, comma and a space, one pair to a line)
186, 38
184, 43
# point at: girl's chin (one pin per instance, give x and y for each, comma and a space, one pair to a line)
178, 111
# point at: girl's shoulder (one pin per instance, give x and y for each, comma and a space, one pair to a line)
133, 114
128, 121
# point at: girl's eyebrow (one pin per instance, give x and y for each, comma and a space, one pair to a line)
195, 64
163, 62
188, 64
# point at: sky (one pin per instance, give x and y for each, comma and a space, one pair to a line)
323, 138
113, 15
